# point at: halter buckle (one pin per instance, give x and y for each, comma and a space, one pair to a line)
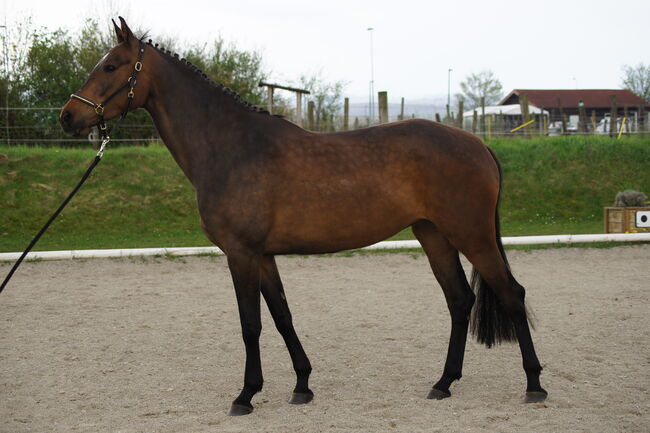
99, 109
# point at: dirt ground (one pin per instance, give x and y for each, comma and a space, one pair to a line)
153, 345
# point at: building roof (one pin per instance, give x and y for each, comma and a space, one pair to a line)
592, 98
508, 110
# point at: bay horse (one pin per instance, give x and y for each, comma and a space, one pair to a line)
265, 186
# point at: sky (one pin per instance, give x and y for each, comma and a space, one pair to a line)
550, 44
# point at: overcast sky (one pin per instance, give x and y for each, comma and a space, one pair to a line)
548, 44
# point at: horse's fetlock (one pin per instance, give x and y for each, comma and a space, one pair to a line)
453, 374
254, 386
535, 369
303, 371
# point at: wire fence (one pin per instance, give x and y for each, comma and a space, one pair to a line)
40, 125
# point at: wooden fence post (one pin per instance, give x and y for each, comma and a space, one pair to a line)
356, 123
269, 99
346, 113
593, 122
641, 117
460, 114
438, 117
474, 122
562, 117
551, 119
627, 117
310, 115
489, 126
523, 104
298, 108
483, 114
401, 111
613, 114
582, 117
382, 102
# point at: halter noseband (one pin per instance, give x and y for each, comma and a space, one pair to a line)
130, 84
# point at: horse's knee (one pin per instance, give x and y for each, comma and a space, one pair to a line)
251, 333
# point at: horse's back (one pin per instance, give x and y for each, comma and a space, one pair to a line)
345, 190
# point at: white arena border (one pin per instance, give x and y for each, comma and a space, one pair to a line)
193, 251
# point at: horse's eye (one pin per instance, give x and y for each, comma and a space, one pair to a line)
109, 68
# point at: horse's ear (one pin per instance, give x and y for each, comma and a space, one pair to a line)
118, 33
124, 33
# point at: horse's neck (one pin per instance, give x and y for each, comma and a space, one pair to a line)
191, 116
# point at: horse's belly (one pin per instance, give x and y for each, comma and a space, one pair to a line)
324, 226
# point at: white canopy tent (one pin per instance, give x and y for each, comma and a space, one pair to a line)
508, 110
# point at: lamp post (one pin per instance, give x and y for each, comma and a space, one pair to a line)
449, 93
371, 90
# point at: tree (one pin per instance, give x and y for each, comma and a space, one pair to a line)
93, 43
237, 69
16, 41
52, 71
325, 95
481, 85
637, 80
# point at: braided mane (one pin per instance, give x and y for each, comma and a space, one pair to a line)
236, 97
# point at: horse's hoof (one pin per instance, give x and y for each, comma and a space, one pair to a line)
301, 397
239, 410
535, 396
437, 394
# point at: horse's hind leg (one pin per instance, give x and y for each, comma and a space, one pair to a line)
500, 313
447, 269
275, 299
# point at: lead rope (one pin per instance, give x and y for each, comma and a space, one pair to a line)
93, 164
99, 109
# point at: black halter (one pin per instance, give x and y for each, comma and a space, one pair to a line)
130, 84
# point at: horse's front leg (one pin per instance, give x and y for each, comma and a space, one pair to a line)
245, 271
274, 295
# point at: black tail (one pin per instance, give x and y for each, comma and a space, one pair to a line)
490, 322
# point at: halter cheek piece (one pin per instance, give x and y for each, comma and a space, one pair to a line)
130, 85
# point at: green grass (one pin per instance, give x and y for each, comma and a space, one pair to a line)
560, 185
138, 197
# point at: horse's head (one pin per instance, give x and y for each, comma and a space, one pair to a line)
113, 87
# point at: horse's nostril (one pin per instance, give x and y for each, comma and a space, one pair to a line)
66, 117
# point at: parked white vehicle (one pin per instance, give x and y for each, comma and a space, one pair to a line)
603, 126
555, 128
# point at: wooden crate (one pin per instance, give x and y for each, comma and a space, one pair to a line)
624, 220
